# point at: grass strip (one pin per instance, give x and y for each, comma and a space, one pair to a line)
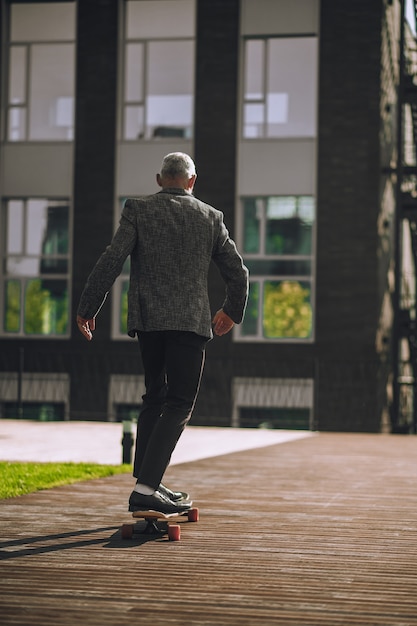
16, 479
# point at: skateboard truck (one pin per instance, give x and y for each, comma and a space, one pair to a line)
151, 518
151, 527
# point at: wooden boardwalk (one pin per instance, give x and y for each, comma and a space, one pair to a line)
318, 531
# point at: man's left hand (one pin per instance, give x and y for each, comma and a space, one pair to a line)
222, 323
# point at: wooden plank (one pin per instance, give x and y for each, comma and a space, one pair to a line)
318, 531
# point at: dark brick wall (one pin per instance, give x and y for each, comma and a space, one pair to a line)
94, 172
215, 154
348, 204
342, 360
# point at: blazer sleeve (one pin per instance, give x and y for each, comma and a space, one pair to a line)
109, 265
234, 273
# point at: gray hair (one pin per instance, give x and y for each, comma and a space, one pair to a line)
177, 164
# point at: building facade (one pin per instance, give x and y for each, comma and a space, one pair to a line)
290, 110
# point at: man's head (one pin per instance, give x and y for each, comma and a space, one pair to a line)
177, 170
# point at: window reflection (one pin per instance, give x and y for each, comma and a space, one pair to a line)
36, 267
41, 72
12, 306
280, 78
17, 76
123, 307
51, 92
156, 19
14, 243
278, 225
288, 230
287, 311
159, 69
277, 234
46, 307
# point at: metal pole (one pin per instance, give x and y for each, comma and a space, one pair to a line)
19, 383
127, 442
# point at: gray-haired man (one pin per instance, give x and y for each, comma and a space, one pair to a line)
171, 238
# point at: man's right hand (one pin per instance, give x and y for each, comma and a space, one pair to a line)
86, 327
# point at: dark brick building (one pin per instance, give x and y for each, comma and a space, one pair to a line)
289, 108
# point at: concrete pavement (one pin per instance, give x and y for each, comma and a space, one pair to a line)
101, 442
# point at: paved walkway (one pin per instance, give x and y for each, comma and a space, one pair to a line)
320, 531
101, 442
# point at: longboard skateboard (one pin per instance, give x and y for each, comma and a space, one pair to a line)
152, 517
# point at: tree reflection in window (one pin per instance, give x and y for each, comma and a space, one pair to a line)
123, 307
46, 307
36, 266
287, 309
12, 306
278, 246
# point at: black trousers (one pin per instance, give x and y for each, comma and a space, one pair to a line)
173, 362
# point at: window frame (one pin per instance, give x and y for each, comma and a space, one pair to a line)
24, 279
143, 102
25, 106
263, 99
261, 278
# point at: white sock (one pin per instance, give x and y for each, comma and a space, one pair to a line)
145, 490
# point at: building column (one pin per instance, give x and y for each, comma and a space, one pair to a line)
216, 106
94, 188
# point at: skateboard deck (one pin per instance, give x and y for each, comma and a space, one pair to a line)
152, 528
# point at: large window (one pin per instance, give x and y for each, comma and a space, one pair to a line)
35, 267
41, 72
159, 69
280, 84
277, 244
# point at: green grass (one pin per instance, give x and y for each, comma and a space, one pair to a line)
16, 479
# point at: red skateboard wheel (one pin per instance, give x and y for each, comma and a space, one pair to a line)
174, 532
127, 531
193, 515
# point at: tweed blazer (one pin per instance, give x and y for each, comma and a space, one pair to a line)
171, 238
